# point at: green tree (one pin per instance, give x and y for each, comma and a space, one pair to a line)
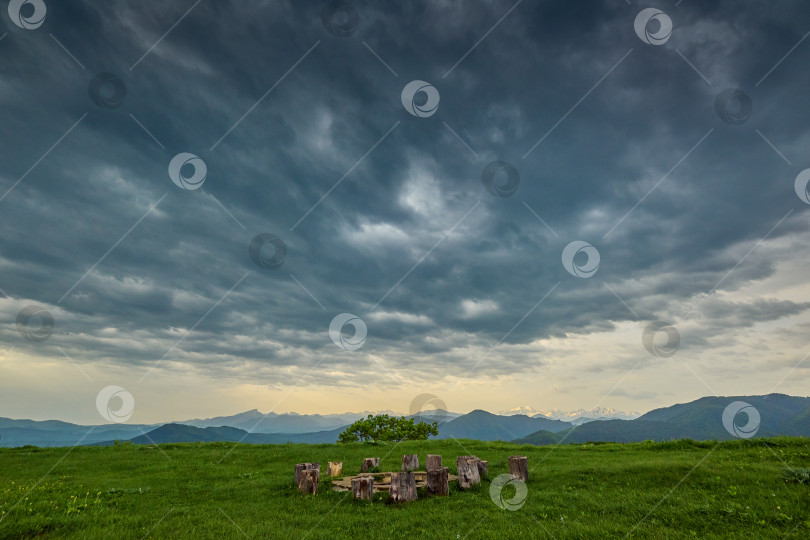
388, 428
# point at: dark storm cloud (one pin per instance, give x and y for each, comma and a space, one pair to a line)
404, 197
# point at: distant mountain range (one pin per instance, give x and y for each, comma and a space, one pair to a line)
287, 427
699, 420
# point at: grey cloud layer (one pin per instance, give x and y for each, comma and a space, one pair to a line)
416, 185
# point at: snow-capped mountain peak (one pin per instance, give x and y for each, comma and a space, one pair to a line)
574, 416
594, 414
528, 411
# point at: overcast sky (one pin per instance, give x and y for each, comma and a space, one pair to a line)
438, 218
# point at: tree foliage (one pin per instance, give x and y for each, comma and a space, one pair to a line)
388, 428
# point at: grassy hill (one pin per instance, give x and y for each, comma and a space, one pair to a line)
733, 489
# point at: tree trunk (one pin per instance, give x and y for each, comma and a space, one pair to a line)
437, 481
483, 468
410, 462
434, 462
519, 467
403, 487
300, 467
308, 481
363, 487
335, 468
467, 467
368, 463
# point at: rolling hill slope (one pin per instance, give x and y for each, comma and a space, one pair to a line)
57, 433
181, 433
698, 420
484, 426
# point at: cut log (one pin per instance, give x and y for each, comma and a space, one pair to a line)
403, 487
519, 467
467, 467
308, 481
300, 467
368, 463
363, 487
335, 468
437, 481
410, 462
434, 462
483, 468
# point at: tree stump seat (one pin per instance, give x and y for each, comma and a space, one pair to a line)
403, 487
334, 468
468, 475
362, 487
519, 467
410, 462
308, 481
438, 481
301, 467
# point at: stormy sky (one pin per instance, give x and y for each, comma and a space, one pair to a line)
543, 203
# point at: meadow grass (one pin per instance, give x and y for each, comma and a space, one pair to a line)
680, 489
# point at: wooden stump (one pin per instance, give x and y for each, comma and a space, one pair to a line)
519, 467
301, 467
467, 467
308, 481
483, 468
437, 483
368, 463
410, 462
335, 468
363, 487
434, 462
403, 487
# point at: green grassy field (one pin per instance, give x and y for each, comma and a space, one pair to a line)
736, 489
